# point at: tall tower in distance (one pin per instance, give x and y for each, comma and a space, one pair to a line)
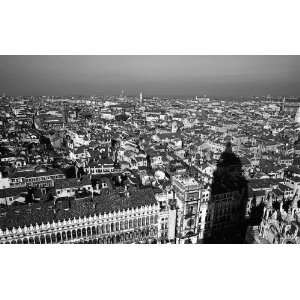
141, 96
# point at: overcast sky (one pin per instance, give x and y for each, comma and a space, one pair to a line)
154, 75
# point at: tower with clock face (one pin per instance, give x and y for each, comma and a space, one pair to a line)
187, 192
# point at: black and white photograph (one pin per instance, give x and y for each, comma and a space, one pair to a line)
149, 149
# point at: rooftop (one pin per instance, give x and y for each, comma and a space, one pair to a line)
66, 208
186, 181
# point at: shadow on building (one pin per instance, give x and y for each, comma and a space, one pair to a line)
226, 215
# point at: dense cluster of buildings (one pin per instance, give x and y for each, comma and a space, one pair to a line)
149, 170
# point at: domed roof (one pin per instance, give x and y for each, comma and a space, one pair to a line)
159, 174
40, 169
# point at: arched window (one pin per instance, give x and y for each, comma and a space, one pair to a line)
135, 223
117, 226
79, 233
190, 222
42, 238
25, 241
31, 240
118, 239
191, 210
19, 241
147, 220
102, 229
130, 224
58, 237
53, 237
143, 221
48, 239
112, 227
156, 219
107, 228
151, 219
89, 232
64, 236
84, 232
74, 234
94, 230
121, 225
126, 224
69, 235
139, 222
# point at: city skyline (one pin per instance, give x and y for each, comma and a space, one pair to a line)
218, 76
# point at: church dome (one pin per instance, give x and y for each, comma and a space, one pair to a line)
160, 175
40, 169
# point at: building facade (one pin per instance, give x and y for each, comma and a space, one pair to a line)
136, 225
187, 193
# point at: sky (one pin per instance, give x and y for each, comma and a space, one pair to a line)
220, 76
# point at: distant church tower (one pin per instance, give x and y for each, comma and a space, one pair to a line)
36, 120
65, 114
282, 108
141, 97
